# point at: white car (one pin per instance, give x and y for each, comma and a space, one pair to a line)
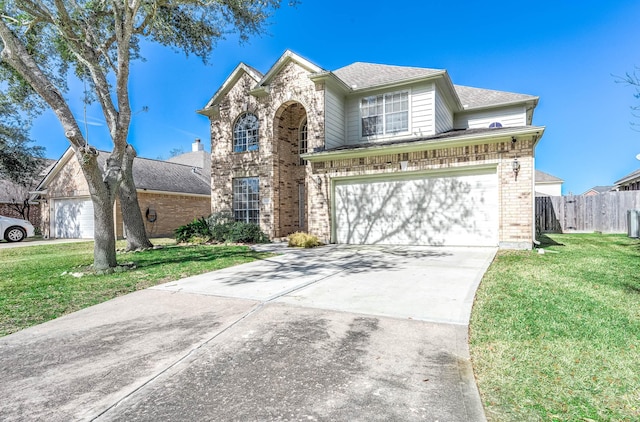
15, 229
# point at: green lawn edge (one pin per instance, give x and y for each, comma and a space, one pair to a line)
41, 283
556, 336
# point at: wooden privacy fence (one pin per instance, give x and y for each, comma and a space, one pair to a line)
606, 213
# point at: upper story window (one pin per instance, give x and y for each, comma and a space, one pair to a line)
245, 133
302, 141
385, 114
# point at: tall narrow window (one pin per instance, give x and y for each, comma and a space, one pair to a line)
245, 133
302, 141
385, 114
246, 200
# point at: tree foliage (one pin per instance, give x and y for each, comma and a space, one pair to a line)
42, 40
19, 161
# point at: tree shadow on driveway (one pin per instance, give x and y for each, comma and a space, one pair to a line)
325, 261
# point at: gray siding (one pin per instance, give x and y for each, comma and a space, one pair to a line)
444, 116
511, 116
422, 110
352, 116
334, 119
421, 117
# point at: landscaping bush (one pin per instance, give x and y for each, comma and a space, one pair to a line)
245, 233
221, 228
198, 228
303, 240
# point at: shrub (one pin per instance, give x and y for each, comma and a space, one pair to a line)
245, 233
303, 240
198, 228
220, 227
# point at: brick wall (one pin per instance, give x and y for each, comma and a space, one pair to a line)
515, 197
34, 216
292, 97
172, 211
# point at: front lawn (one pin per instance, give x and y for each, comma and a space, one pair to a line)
556, 337
40, 283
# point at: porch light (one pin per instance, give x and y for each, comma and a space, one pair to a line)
516, 167
319, 181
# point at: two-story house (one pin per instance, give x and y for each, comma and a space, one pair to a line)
373, 154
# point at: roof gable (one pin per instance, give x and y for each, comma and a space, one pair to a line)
287, 57
238, 72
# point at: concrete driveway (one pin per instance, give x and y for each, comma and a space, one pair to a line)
333, 333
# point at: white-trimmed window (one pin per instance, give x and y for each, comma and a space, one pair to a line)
246, 199
245, 133
385, 114
302, 141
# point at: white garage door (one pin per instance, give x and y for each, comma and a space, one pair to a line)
453, 209
73, 218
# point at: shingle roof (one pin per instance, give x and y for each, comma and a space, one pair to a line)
542, 177
601, 189
368, 75
165, 176
471, 97
631, 176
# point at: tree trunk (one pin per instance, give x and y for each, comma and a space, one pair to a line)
131, 215
103, 186
104, 248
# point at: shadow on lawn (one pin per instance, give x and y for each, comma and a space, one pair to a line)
182, 254
547, 241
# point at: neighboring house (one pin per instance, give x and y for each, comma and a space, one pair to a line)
169, 194
13, 196
373, 154
547, 185
629, 182
597, 190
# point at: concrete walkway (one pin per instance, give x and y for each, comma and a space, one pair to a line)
334, 333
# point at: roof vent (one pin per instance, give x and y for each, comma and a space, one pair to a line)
495, 125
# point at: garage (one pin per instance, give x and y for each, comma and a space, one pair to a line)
449, 209
72, 218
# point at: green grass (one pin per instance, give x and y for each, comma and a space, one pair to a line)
556, 337
37, 284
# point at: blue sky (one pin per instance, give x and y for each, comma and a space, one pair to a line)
565, 52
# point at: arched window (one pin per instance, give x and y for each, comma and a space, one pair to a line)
245, 133
302, 140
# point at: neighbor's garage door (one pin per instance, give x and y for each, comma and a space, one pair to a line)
73, 218
452, 209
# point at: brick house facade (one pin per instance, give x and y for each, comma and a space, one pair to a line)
433, 163
169, 195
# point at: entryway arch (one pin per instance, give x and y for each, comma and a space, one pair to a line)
290, 135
